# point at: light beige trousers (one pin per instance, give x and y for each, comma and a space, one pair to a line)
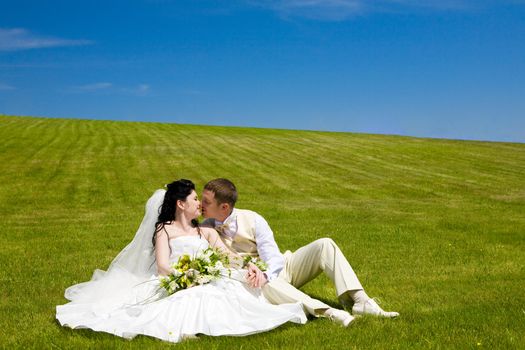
303, 265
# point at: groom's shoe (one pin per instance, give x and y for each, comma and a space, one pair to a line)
370, 307
339, 316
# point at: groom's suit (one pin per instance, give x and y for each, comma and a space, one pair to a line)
247, 233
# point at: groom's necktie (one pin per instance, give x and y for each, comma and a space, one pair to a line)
226, 229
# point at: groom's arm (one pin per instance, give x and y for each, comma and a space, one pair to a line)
267, 248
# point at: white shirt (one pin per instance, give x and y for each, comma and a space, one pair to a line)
266, 245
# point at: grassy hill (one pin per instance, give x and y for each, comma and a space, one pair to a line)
435, 228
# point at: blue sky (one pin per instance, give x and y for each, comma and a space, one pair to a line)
447, 69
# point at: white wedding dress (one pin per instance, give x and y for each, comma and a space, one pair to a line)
122, 304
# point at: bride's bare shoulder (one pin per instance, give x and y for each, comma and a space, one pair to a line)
208, 231
209, 234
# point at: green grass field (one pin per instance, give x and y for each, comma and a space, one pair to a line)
434, 228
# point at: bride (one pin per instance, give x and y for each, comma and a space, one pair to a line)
126, 300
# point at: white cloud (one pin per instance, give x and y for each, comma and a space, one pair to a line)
94, 86
16, 39
26, 65
338, 10
110, 88
333, 10
139, 90
6, 87
143, 88
428, 4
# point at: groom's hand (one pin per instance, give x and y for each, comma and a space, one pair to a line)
255, 278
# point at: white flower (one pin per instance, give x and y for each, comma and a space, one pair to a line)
212, 269
173, 286
192, 273
202, 279
205, 253
205, 256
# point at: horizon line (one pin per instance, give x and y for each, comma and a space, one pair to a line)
267, 128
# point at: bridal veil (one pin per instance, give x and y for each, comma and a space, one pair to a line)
133, 265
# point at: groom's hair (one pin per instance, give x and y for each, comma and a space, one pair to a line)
224, 190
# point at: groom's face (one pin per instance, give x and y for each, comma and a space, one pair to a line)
210, 207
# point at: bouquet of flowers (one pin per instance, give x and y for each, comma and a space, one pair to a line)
188, 271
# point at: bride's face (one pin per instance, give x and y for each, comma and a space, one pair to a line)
192, 206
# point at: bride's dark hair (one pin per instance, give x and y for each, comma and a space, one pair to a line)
177, 190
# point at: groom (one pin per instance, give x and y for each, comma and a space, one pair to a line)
247, 233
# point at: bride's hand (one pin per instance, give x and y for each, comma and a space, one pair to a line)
255, 277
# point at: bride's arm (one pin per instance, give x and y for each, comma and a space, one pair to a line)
216, 242
162, 253
255, 277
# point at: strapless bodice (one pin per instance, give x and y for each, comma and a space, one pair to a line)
190, 245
